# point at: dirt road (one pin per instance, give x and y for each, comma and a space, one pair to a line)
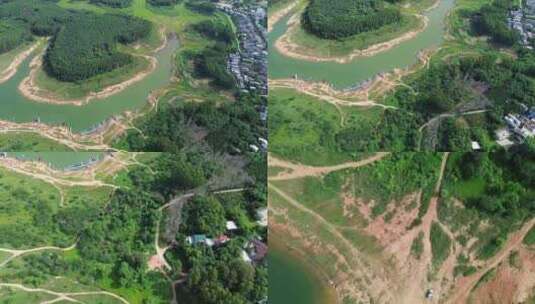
300, 170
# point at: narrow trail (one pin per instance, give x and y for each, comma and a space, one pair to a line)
63, 296
450, 115
19, 252
335, 101
416, 287
465, 285
300, 170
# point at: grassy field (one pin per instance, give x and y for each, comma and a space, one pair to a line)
32, 213
23, 141
303, 128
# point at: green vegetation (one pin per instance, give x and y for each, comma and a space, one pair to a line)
163, 2
113, 3
83, 44
228, 127
28, 142
115, 235
440, 245
12, 35
495, 188
309, 131
85, 47
529, 239
344, 18
308, 43
492, 20
32, 217
392, 178
417, 247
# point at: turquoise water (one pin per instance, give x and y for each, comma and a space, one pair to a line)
360, 69
58, 160
290, 282
17, 108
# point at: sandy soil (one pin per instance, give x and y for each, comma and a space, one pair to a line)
300, 170
289, 48
275, 17
86, 177
30, 90
464, 285
360, 96
13, 67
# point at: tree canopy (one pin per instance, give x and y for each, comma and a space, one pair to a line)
334, 19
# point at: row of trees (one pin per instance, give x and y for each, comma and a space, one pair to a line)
343, 18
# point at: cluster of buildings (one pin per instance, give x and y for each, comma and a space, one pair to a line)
522, 20
254, 250
249, 63
522, 125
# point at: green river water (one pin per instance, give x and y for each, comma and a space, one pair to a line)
291, 281
17, 108
58, 160
363, 68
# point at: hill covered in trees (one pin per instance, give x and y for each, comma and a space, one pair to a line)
83, 44
334, 19
86, 46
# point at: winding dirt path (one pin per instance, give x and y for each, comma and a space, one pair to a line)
300, 170
361, 266
465, 285
63, 296
444, 115
18, 252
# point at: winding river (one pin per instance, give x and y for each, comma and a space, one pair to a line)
17, 108
343, 75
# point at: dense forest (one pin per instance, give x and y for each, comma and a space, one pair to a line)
211, 62
491, 20
115, 243
229, 127
83, 44
201, 6
112, 3
86, 46
12, 34
335, 19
